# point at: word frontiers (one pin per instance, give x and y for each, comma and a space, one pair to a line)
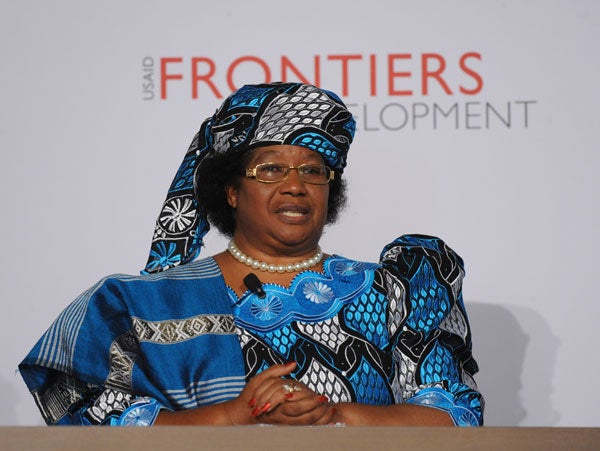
398, 74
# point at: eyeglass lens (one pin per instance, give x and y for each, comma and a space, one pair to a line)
311, 173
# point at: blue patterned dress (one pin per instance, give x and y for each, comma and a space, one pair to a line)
379, 334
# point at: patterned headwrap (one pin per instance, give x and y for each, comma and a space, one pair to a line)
253, 116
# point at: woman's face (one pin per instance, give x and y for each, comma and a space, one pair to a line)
282, 218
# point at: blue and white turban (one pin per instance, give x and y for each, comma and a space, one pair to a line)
253, 116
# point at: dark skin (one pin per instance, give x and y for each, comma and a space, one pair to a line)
282, 223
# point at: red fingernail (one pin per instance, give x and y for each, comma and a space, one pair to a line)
265, 407
288, 395
252, 402
333, 410
323, 399
290, 363
255, 412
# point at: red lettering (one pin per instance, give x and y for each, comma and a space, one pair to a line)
467, 70
286, 64
244, 59
437, 74
209, 76
373, 74
393, 74
164, 76
344, 59
206, 78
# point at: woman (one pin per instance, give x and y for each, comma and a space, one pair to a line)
270, 330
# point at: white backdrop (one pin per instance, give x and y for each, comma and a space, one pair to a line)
477, 123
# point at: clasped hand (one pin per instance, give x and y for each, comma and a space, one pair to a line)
271, 398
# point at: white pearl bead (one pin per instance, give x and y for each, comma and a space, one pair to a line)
263, 266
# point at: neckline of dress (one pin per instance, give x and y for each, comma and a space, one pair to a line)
326, 261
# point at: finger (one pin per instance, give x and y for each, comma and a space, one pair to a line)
264, 385
274, 371
269, 398
276, 391
302, 406
321, 415
329, 417
295, 390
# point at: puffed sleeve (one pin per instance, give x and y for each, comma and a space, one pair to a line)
430, 330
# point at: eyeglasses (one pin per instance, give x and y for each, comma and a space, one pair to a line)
315, 174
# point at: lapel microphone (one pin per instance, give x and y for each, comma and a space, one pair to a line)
254, 284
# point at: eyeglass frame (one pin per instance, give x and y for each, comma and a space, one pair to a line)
251, 172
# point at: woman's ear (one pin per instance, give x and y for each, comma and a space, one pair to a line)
231, 193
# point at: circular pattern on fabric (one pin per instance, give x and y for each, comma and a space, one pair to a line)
178, 215
266, 308
318, 292
348, 267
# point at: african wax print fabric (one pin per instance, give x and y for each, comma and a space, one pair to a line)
253, 116
374, 334
377, 334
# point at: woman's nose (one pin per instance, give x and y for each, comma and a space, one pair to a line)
293, 181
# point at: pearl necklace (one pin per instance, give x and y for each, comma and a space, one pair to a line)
263, 266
